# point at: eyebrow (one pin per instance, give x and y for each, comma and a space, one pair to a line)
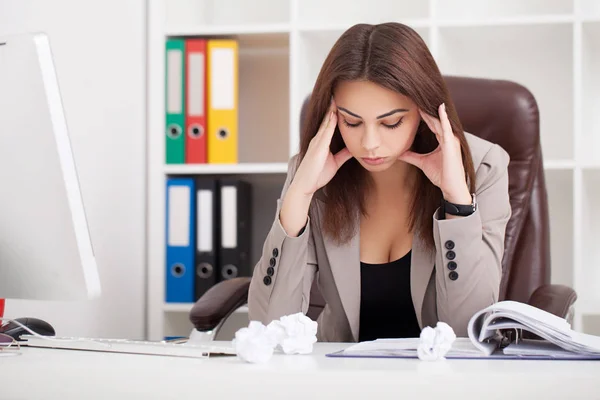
387, 114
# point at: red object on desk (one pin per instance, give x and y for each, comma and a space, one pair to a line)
1, 309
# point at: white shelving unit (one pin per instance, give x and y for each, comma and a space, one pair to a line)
550, 46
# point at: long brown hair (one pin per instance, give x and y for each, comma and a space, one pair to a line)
394, 56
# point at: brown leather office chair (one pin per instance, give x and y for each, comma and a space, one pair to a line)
502, 112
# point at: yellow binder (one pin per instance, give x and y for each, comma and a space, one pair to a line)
222, 104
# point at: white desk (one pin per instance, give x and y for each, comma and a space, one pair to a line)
71, 374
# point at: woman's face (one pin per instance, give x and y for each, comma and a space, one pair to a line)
377, 124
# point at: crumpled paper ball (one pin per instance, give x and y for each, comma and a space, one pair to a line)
293, 334
434, 344
253, 344
300, 334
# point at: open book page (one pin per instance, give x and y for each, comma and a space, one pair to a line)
462, 347
590, 343
514, 315
531, 313
482, 339
529, 347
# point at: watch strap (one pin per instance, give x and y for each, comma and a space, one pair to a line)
462, 210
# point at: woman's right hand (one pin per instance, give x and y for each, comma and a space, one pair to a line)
317, 168
319, 165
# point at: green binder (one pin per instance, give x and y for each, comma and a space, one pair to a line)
175, 101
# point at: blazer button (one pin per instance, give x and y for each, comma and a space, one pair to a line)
449, 244
275, 252
453, 275
267, 280
450, 255
452, 265
272, 262
270, 271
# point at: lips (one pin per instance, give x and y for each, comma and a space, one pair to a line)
374, 160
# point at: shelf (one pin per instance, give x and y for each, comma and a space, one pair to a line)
507, 21
590, 138
492, 9
226, 12
207, 169
341, 26
559, 185
589, 281
228, 30
559, 164
519, 54
318, 12
186, 308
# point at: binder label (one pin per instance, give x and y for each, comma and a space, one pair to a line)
179, 215
205, 221
196, 81
222, 91
229, 217
175, 81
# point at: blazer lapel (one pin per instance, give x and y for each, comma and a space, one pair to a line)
422, 263
344, 261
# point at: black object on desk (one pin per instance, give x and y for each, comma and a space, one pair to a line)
37, 325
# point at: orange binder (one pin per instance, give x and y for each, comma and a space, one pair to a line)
195, 105
222, 101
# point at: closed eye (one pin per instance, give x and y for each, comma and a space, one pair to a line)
351, 125
393, 126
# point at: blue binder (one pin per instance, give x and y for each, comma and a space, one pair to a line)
180, 240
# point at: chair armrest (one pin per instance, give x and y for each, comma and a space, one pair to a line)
555, 299
219, 302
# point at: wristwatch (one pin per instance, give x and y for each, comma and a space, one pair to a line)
462, 210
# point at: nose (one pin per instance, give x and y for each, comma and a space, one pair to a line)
370, 139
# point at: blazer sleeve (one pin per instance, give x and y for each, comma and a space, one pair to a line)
283, 276
469, 250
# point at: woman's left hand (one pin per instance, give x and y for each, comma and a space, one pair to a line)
443, 166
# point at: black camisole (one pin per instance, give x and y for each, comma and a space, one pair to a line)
386, 307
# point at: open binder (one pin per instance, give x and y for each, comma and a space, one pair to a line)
496, 332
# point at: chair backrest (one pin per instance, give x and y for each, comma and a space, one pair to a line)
505, 113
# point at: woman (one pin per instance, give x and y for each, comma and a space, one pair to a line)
398, 213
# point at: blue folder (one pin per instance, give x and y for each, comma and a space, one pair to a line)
180, 240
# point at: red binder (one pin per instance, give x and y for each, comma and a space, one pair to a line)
195, 105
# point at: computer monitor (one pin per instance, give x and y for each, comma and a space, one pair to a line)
46, 251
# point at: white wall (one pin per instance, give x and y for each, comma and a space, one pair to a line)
99, 49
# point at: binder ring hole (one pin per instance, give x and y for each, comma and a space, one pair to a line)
204, 270
174, 131
229, 271
177, 270
196, 131
223, 133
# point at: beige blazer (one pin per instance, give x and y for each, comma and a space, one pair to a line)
283, 276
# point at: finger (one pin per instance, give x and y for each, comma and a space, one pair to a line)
438, 127
445, 123
342, 156
429, 120
330, 128
324, 122
413, 158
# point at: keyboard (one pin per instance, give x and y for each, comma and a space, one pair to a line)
178, 348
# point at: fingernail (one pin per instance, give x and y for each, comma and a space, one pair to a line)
444, 106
